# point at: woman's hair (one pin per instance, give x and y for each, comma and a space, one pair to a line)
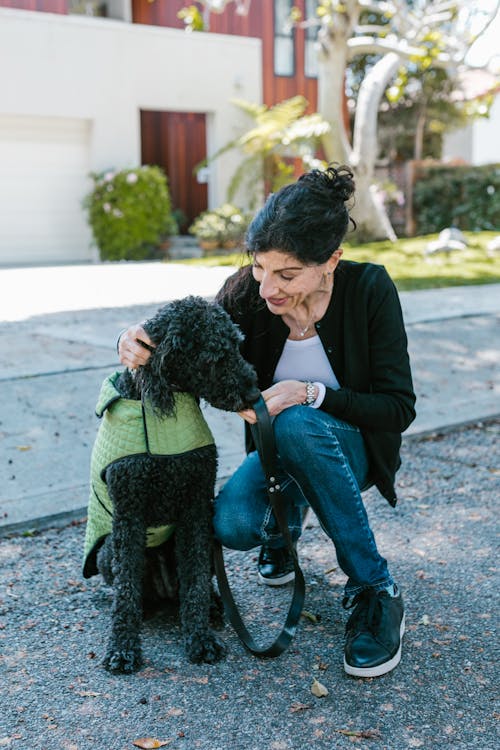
308, 219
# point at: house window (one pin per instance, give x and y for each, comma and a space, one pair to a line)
120, 10
86, 8
310, 54
284, 42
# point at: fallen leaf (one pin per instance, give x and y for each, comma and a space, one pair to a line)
295, 707
322, 665
87, 693
174, 712
319, 690
366, 734
309, 615
200, 680
149, 743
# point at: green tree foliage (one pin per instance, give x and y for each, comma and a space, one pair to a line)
420, 105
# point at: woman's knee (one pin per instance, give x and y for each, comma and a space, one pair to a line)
234, 524
295, 430
290, 423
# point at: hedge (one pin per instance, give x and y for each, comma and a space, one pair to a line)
462, 196
129, 211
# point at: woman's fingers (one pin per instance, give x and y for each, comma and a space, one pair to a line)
282, 395
248, 415
130, 349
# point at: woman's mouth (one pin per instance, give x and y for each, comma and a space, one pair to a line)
276, 301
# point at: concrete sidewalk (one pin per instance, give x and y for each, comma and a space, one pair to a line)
58, 327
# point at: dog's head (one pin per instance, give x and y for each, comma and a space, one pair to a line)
197, 351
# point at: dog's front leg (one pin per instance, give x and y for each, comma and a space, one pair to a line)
193, 551
128, 539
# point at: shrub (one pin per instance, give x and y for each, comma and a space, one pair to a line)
226, 224
129, 212
462, 196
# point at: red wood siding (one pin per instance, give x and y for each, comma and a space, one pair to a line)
176, 141
47, 6
158, 13
258, 23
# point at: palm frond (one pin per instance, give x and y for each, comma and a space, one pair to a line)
252, 109
308, 127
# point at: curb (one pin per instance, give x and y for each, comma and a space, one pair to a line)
61, 520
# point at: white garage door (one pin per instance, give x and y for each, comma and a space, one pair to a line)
44, 165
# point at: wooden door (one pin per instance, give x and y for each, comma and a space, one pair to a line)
177, 142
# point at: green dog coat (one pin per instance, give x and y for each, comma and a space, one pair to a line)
129, 428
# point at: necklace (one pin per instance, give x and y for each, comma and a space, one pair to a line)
302, 331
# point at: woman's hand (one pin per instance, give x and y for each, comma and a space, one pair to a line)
278, 397
284, 394
131, 352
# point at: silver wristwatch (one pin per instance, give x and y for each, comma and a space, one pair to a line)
310, 394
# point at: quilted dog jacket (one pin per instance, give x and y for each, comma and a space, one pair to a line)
129, 428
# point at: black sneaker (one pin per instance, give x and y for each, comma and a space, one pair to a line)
275, 566
373, 634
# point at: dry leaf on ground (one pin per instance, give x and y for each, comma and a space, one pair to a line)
309, 615
319, 690
366, 734
149, 743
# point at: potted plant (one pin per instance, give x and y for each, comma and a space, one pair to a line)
222, 227
130, 213
236, 224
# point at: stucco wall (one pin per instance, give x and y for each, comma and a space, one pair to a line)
104, 72
479, 142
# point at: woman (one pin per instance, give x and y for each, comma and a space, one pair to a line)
327, 340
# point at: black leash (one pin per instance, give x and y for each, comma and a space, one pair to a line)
264, 440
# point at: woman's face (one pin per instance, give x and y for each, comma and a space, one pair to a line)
285, 282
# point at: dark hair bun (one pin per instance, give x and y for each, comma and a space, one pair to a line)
335, 183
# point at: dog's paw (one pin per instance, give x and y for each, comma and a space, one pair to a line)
123, 661
205, 648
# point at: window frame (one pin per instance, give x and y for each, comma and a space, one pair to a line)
310, 36
280, 34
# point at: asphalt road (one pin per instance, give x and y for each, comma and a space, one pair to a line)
441, 545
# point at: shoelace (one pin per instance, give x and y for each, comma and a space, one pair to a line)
366, 615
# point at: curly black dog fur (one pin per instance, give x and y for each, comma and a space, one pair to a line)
197, 351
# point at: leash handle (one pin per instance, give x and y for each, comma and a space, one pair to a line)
264, 439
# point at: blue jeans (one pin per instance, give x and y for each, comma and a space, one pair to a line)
323, 464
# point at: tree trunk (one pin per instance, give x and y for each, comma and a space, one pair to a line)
370, 213
418, 147
332, 63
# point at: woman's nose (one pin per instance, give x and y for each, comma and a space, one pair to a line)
268, 286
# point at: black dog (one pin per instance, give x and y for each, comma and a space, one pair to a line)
196, 356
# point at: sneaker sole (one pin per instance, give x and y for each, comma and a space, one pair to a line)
281, 581
380, 669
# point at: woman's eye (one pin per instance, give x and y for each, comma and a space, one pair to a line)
286, 278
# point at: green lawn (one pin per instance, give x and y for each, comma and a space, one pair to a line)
407, 263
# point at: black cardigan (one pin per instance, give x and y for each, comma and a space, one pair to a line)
363, 335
